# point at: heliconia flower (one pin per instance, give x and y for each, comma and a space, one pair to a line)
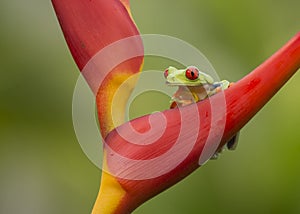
141, 167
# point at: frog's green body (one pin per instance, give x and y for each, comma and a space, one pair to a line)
194, 86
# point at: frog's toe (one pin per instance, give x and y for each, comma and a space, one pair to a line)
173, 105
231, 84
218, 89
215, 156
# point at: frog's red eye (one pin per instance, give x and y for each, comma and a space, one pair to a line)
166, 73
192, 73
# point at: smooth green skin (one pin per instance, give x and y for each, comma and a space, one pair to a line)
177, 77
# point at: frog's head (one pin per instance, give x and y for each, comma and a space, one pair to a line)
191, 76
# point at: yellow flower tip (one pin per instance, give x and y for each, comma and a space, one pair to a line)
110, 194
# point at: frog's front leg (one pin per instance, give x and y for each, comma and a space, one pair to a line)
222, 85
184, 96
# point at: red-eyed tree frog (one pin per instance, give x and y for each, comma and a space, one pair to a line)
194, 86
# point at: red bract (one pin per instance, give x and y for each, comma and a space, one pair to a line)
89, 26
243, 100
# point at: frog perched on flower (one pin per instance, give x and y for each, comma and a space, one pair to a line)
194, 86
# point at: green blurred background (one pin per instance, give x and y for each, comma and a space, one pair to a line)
44, 171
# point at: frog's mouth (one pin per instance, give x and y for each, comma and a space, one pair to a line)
184, 84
